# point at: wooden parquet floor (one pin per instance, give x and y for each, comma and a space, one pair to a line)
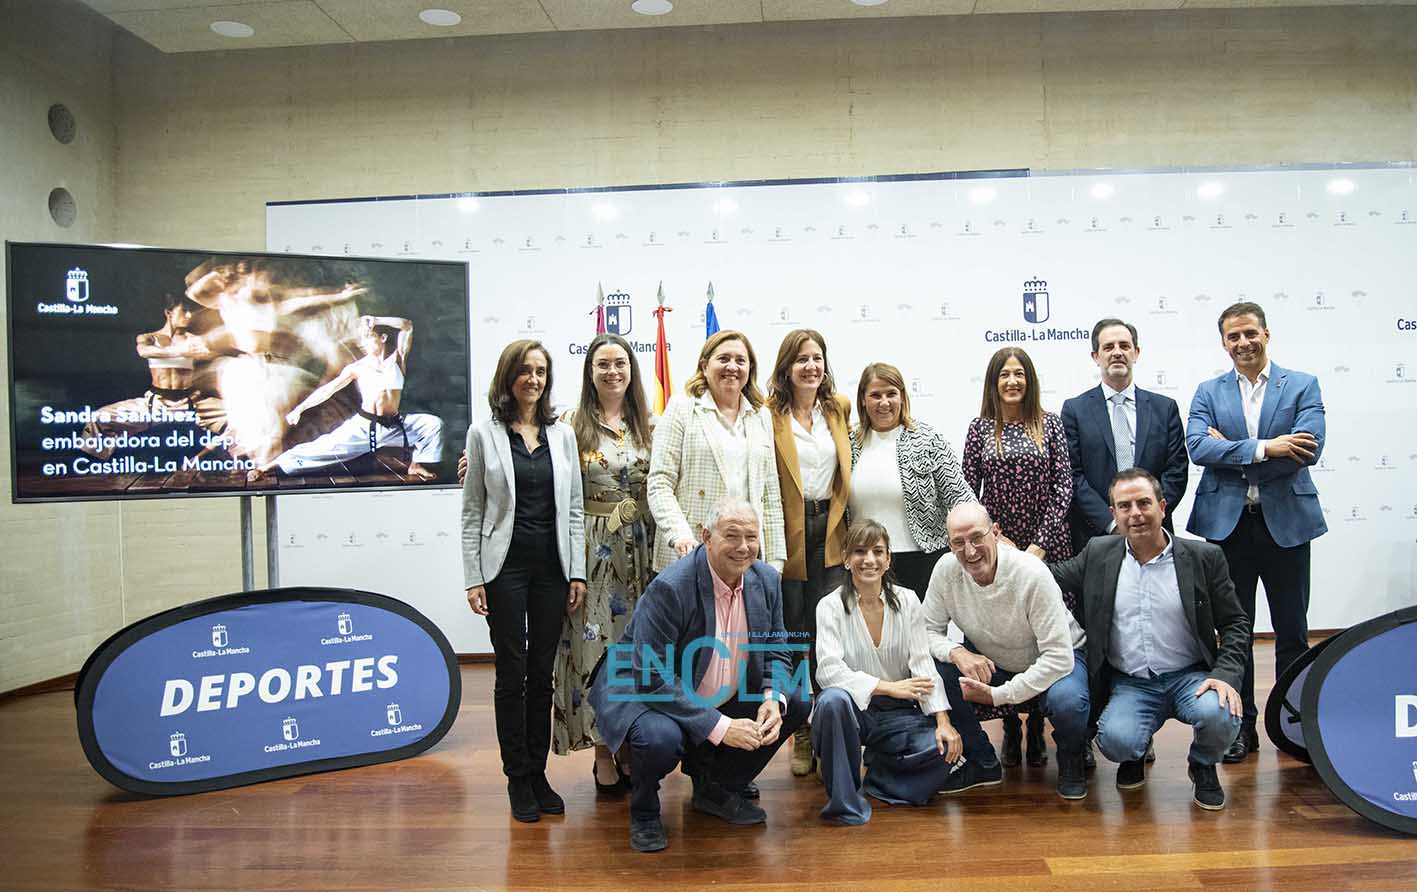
441, 822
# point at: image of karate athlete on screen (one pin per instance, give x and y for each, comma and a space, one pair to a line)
173, 354
379, 375
271, 334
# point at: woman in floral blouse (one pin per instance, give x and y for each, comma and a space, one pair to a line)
613, 433
1016, 459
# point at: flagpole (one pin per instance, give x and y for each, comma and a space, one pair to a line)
663, 387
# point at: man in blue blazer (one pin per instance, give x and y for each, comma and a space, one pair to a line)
1117, 425
1256, 430
702, 675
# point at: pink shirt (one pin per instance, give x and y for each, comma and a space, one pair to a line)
731, 630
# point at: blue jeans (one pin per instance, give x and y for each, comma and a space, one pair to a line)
1065, 703
1140, 706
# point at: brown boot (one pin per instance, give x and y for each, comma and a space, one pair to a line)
802, 759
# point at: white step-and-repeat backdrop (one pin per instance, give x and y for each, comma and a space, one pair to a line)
930, 273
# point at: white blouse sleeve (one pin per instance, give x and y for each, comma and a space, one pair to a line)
833, 670
922, 664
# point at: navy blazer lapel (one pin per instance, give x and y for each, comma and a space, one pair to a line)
1143, 416
755, 607
1273, 390
703, 582
1102, 417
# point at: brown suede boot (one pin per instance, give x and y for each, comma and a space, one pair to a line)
802, 758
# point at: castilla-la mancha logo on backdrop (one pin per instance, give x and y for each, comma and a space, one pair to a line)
617, 313
1036, 307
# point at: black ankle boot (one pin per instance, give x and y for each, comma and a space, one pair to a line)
1012, 756
524, 807
547, 799
1037, 749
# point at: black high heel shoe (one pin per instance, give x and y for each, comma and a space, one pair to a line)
615, 790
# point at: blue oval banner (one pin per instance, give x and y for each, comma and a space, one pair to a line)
1360, 718
1282, 719
263, 685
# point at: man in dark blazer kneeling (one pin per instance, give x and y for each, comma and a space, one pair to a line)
702, 675
1166, 637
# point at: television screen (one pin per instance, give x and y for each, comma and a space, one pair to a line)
143, 373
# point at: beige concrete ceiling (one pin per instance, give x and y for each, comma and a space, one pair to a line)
184, 26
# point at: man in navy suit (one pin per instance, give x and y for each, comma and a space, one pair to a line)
1116, 426
1256, 430
719, 610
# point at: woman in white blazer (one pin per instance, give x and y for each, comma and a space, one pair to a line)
523, 542
714, 441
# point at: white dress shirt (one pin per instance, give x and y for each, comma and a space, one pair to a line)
876, 491
1252, 400
732, 440
847, 658
1150, 633
816, 456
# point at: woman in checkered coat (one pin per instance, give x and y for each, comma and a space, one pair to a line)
713, 441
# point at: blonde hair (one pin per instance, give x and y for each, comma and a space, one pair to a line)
697, 384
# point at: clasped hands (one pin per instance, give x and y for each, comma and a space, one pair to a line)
750, 734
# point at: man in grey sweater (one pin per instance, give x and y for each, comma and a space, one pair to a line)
1019, 642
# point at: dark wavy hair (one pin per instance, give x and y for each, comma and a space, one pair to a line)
780, 385
586, 422
509, 365
992, 406
864, 534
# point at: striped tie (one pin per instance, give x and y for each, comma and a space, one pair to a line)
1121, 431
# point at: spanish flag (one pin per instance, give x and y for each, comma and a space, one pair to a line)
663, 389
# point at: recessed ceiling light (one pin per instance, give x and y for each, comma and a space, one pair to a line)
1103, 191
858, 198
442, 18
868, 2
652, 7
1341, 187
981, 194
233, 29
1210, 190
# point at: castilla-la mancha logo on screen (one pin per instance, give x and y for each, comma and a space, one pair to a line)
76, 286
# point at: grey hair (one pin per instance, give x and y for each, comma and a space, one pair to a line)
729, 507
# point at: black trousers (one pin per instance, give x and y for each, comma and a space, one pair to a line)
913, 569
526, 606
658, 744
1253, 557
800, 596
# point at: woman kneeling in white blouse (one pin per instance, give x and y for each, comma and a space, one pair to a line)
880, 689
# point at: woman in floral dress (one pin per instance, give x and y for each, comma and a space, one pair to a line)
613, 432
1016, 459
